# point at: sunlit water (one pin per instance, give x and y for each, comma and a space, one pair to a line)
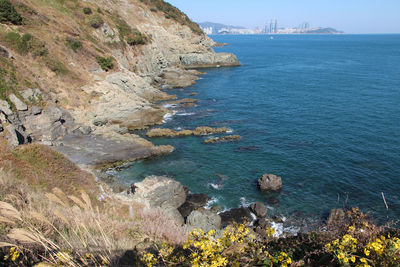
323, 112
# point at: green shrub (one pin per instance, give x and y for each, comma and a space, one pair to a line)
127, 33
96, 21
87, 10
8, 13
73, 43
56, 65
25, 44
106, 63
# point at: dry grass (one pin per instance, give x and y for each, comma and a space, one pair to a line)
61, 223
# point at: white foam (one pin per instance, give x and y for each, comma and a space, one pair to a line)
168, 117
185, 114
254, 219
211, 202
215, 186
229, 131
280, 230
244, 202
170, 105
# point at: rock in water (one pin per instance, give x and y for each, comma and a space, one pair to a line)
204, 219
259, 209
270, 182
238, 215
159, 191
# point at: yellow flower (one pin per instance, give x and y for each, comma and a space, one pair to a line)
366, 252
353, 259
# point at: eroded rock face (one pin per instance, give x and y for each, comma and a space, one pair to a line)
12, 136
159, 191
204, 219
206, 60
270, 182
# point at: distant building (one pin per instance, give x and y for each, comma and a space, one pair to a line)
276, 26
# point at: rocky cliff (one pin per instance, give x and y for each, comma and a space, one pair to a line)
93, 70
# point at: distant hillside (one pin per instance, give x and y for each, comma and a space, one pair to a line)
218, 26
324, 31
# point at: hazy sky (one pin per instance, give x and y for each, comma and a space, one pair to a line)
351, 16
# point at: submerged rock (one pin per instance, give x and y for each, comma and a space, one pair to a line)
229, 138
270, 182
165, 132
204, 219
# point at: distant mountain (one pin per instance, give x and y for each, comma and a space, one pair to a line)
216, 27
323, 31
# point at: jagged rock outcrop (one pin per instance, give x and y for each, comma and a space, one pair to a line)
5, 108
207, 60
19, 105
259, 209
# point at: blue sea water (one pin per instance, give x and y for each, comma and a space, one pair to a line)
321, 111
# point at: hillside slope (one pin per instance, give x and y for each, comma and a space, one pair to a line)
95, 67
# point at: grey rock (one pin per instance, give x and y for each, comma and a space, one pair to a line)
336, 217
11, 136
35, 110
259, 209
5, 53
100, 121
196, 60
159, 191
5, 108
86, 130
19, 105
1, 128
175, 215
216, 208
270, 182
204, 219
53, 114
3, 118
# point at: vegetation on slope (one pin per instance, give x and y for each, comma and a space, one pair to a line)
8, 14
174, 13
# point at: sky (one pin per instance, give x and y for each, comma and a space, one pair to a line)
350, 16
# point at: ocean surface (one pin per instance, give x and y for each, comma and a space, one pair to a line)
321, 111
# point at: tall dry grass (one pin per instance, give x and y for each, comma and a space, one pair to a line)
71, 230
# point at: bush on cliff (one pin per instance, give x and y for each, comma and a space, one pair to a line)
106, 63
96, 21
8, 14
130, 35
25, 43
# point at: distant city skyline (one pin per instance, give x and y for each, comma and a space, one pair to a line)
355, 16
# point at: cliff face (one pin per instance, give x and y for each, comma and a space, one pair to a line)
95, 67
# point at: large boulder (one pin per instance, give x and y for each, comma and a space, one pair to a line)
238, 215
53, 123
5, 108
12, 136
204, 219
159, 191
193, 202
259, 209
270, 182
174, 214
19, 105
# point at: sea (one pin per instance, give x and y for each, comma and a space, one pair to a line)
321, 111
